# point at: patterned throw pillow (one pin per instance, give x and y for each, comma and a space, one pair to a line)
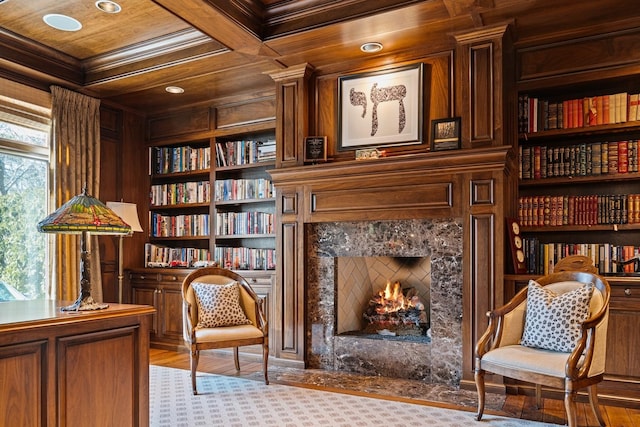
554, 321
219, 305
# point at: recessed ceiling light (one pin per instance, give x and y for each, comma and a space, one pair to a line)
371, 47
62, 22
174, 89
108, 6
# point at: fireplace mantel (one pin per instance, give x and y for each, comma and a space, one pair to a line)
429, 185
436, 163
467, 185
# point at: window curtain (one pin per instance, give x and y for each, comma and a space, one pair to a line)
75, 160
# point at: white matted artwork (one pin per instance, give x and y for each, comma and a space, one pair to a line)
381, 108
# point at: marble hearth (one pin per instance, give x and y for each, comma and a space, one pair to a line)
438, 240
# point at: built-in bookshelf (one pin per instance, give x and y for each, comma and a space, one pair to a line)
543, 113
179, 205
542, 257
244, 202
578, 172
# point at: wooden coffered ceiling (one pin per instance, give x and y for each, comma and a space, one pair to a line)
224, 49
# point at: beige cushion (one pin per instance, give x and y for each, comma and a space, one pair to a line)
520, 358
219, 305
554, 320
227, 333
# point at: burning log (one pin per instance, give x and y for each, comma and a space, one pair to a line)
393, 312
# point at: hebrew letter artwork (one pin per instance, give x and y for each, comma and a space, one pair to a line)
381, 108
358, 98
386, 94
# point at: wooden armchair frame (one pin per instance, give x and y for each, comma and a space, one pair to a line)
226, 336
584, 366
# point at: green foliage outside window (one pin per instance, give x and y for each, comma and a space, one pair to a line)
23, 202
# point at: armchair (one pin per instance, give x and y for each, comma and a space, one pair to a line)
220, 310
500, 350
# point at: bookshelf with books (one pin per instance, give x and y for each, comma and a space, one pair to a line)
244, 204
179, 205
579, 193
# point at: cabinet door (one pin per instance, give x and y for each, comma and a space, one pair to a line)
171, 321
22, 402
147, 296
623, 342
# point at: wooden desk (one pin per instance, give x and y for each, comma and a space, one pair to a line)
74, 368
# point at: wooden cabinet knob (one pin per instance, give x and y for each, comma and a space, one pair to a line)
627, 292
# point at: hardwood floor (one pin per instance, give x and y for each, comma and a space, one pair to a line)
516, 406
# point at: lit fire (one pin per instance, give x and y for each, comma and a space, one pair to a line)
392, 299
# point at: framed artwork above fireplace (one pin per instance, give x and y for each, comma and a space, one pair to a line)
381, 108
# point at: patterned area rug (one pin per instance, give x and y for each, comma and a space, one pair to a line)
237, 402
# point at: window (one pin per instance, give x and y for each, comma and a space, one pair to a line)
24, 192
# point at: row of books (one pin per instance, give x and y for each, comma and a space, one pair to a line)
540, 258
163, 256
588, 159
243, 258
179, 225
233, 153
538, 114
164, 160
180, 193
579, 210
243, 223
243, 189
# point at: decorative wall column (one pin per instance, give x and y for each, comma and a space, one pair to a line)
486, 102
292, 123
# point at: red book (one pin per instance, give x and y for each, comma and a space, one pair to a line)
623, 159
571, 210
599, 107
580, 113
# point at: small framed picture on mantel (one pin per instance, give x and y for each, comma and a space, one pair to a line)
315, 149
445, 134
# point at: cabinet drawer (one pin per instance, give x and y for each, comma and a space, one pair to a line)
170, 277
136, 276
259, 280
629, 292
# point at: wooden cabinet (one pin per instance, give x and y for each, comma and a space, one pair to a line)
162, 289
622, 378
74, 369
579, 129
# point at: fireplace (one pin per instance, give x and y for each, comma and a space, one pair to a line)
387, 296
332, 254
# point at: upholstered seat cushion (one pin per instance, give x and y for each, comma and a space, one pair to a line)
527, 359
219, 305
227, 333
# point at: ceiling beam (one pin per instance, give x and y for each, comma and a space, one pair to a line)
209, 17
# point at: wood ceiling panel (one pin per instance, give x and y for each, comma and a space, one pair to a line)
230, 85
138, 21
220, 49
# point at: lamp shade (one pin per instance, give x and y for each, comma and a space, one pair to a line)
128, 212
83, 213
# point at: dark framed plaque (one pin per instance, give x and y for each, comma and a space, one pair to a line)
315, 149
516, 246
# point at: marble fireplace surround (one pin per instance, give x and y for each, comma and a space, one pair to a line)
438, 239
465, 186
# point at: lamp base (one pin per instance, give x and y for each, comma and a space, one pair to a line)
85, 304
